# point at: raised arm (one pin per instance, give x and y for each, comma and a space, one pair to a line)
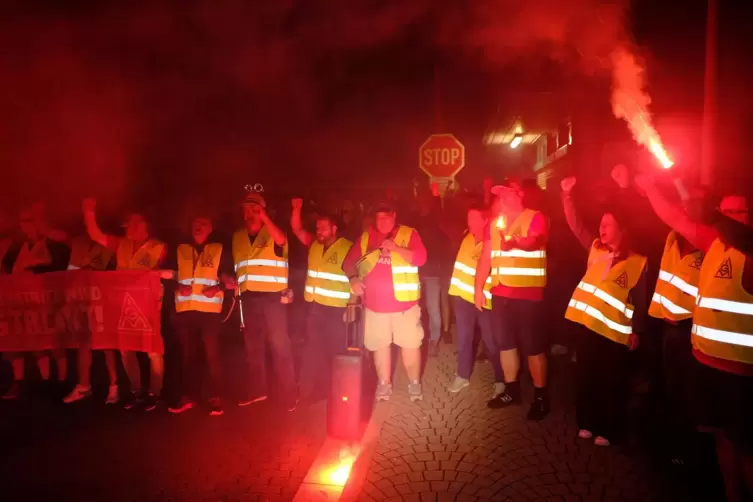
90, 219
571, 214
296, 223
277, 235
698, 234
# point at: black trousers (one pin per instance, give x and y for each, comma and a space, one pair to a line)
678, 366
325, 337
267, 327
602, 384
195, 329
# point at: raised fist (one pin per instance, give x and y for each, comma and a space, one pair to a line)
297, 204
89, 205
568, 183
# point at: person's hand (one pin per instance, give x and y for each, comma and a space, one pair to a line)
621, 175
357, 285
388, 245
644, 182
479, 300
568, 183
297, 204
166, 274
89, 205
230, 283
184, 290
210, 291
633, 342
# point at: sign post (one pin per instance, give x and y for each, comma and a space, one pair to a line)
441, 156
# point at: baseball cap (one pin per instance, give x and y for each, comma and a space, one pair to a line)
384, 206
507, 184
254, 198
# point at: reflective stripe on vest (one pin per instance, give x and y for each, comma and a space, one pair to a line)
326, 283
723, 316
199, 271
463, 281
405, 280
517, 267
600, 302
257, 268
146, 257
676, 288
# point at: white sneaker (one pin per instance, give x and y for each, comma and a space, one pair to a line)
414, 391
497, 389
383, 391
113, 395
601, 441
78, 393
458, 384
585, 434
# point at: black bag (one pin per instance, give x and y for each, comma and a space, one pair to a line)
349, 406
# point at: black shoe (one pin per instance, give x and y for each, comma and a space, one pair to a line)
502, 401
184, 404
539, 409
215, 407
129, 400
150, 402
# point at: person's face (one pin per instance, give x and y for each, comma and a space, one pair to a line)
252, 215
735, 207
325, 230
137, 228
476, 221
200, 229
511, 200
28, 225
610, 231
621, 175
384, 222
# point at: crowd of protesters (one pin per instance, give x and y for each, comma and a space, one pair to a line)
663, 273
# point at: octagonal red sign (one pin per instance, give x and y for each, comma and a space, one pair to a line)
441, 156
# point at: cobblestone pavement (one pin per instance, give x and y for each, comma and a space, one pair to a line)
88, 452
452, 447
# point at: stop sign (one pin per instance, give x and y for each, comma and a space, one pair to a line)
441, 156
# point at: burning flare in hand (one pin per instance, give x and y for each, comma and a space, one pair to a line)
630, 102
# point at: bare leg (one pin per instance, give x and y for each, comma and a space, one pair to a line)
112, 367
725, 453
537, 365
412, 363
510, 364
383, 361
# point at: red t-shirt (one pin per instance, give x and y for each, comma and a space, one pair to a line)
380, 291
538, 226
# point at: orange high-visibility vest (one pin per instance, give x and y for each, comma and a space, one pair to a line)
677, 287
723, 316
29, 257
463, 279
199, 271
87, 254
326, 283
516, 267
257, 267
147, 257
601, 301
404, 275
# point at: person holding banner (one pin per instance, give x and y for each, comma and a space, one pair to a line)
327, 292
87, 255
260, 255
36, 254
203, 267
135, 251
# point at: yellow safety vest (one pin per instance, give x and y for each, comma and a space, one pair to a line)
326, 283
677, 288
257, 267
87, 254
515, 267
723, 316
405, 279
199, 271
601, 302
147, 257
33, 256
463, 279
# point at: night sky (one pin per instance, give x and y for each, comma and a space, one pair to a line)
132, 100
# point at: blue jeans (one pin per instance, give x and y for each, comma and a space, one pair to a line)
466, 318
432, 293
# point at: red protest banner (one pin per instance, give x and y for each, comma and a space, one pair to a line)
110, 310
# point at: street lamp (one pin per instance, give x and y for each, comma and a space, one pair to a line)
516, 140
